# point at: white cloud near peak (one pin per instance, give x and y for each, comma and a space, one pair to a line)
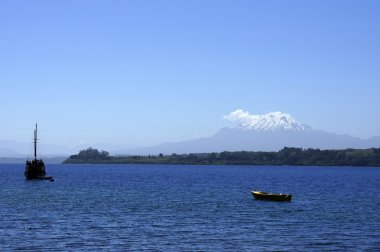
241, 116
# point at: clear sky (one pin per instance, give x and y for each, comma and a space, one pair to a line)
147, 72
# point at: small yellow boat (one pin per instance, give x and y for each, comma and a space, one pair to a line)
271, 196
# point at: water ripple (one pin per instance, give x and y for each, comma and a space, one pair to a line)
190, 208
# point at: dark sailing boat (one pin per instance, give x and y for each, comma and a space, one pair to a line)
35, 169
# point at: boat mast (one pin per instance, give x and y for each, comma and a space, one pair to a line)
35, 143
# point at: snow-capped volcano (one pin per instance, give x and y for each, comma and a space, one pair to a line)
269, 132
273, 121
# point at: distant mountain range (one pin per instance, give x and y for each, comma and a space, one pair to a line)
269, 132
18, 149
13, 149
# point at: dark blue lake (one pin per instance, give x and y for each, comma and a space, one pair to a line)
190, 208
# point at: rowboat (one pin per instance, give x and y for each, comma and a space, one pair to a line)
271, 196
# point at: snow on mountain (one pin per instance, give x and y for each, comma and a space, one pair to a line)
269, 132
269, 122
273, 121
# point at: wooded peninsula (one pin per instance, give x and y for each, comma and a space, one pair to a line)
286, 156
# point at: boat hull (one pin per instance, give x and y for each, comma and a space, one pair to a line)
35, 169
270, 196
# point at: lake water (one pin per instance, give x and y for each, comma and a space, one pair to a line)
190, 208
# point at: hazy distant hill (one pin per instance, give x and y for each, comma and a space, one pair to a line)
21, 160
14, 149
270, 132
17, 149
5, 152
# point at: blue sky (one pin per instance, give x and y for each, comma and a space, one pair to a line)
147, 72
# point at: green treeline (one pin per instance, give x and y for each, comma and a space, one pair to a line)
286, 156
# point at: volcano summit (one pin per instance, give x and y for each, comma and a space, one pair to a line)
268, 132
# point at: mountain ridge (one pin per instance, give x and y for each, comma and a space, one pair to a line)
228, 139
269, 132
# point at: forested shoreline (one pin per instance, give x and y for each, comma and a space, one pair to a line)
286, 156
